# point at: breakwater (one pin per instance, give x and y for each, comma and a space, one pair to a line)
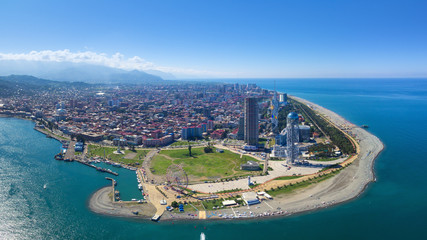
98, 168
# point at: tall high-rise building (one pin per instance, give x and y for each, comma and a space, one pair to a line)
292, 137
283, 97
241, 131
275, 114
251, 121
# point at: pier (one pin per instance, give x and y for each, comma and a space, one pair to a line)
69, 156
97, 168
113, 185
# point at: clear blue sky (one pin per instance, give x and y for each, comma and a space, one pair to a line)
297, 38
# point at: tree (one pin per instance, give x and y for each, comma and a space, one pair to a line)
174, 204
189, 149
208, 149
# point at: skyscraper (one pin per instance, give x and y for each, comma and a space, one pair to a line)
241, 132
292, 137
251, 121
275, 113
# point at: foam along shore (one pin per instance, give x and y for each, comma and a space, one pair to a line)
344, 186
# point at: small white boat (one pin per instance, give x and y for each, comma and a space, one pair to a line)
45, 186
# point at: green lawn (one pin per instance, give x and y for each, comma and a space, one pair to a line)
201, 164
325, 159
184, 143
95, 150
160, 164
272, 142
209, 204
287, 177
188, 207
262, 141
212, 203
231, 190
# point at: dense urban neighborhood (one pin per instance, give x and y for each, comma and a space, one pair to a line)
148, 116
192, 145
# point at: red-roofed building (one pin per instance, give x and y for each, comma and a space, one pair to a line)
156, 134
218, 134
159, 142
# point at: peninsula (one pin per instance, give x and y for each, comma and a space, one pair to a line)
292, 194
203, 151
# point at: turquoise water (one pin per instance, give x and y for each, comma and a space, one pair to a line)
127, 184
393, 207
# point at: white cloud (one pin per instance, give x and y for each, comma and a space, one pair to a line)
116, 60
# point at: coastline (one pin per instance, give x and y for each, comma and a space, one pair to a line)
345, 186
100, 202
2, 115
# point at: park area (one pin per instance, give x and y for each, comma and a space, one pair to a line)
186, 143
132, 158
202, 166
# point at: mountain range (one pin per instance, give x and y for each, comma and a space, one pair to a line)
80, 72
14, 85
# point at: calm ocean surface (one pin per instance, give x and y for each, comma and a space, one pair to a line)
394, 207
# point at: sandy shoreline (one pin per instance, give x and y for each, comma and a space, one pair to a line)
101, 202
348, 184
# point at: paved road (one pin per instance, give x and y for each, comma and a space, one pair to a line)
147, 165
278, 167
70, 151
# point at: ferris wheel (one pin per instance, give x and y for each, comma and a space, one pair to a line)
177, 177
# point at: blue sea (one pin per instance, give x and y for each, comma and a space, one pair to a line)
394, 207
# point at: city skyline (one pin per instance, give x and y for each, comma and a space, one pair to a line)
192, 119
286, 39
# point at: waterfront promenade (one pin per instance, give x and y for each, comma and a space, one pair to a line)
344, 186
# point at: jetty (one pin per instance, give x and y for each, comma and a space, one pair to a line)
97, 168
114, 182
155, 218
69, 156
